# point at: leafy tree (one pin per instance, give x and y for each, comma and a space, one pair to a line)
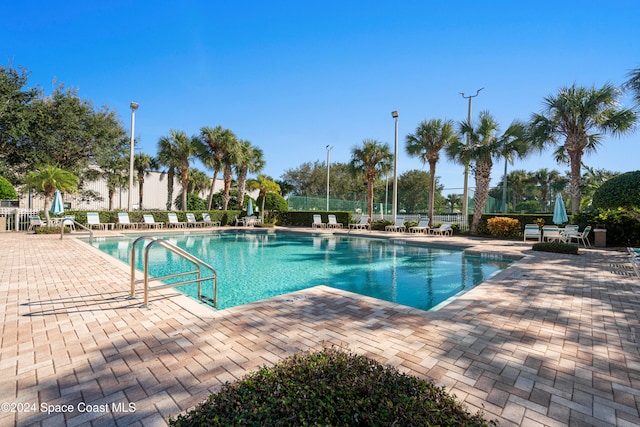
182, 150
47, 179
218, 153
425, 143
310, 179
580, 117
266, 185
621, 191
7, 192
413, 191
143, 164
250, 159
372, 160
592, 180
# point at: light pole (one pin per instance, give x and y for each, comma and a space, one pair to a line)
328, 168
465, 196
394, 202
134, 107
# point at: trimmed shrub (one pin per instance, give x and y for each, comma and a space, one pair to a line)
330, 388
557, 247
7, 192
50, 230
502, 226
620, 191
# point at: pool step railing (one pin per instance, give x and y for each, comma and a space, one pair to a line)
197, 263
68, 221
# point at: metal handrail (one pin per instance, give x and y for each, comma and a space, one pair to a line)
62, 224
197, 262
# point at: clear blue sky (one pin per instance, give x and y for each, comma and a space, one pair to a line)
294, 76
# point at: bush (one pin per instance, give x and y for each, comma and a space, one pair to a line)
380, 224
330, 387
557, 247
502, 226
7, 192
620, 191
622, 224
50, 230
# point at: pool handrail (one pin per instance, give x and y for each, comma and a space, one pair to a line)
69, 219
180, 252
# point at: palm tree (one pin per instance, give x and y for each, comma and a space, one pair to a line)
143, 164
581, 117
167, 158
249, 160
47, 179
265, 185
453, 200
182, 150
427, 141
634, 83
217, 144
513, 143
373, 160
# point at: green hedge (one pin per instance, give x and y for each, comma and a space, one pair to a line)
305, 218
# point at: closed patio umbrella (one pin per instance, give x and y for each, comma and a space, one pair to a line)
559, 211
250, 208
57, 208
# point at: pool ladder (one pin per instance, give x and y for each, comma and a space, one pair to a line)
197, 262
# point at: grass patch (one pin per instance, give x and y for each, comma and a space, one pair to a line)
330, 388
557, 247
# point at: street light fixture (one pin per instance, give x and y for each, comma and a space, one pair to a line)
328, 167
394, 202
465, 200
134, 107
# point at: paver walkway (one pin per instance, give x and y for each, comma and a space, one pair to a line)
552, 340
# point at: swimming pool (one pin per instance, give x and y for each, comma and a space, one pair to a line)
254, 265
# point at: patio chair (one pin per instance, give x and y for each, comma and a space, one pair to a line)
206, 218
363, 224
422, 227
124, 221
34, 222
445, 229
174, 221
93, 221
69, 221
531, 231
193, 222
582, 237
333, 223
397, 226
150, 222
551, 233
317, 222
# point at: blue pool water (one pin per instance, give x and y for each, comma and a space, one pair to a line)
256, 265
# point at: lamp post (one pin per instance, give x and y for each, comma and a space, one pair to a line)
394, 202
328, 168
134, 107
465, 196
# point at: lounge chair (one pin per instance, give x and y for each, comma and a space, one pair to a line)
551, 233
363, 224
192, 222
397, 226
317, 222
93, 221
69, 221
333, 223
531, 231
150, 222
124, 221
422, 227
174, 221
206, 218
445, 229
34, 222
582, 237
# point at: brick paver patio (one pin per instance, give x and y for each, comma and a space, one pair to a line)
552, 340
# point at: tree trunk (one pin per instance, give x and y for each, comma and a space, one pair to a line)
185, 184
575, 158
228, 174
213, 183
242, 180
140, 191
483, 178
170, 178
432, 189
370, 197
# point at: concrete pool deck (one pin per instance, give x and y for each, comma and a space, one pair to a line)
552, 340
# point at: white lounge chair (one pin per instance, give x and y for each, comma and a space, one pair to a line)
531, 231
174, 221
193, 222
582, 237
34, 222
551, 233
445, 229
206, 218
422, 227
150, 222
397, 226
333, 223
124, 221
93, 221
363, 224
317, 222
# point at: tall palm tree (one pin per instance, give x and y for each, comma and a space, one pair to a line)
265, 185
143, 164
581, 117
47, 179
513, 143
167, 159
373, 159
218, 142
634, 83
425, 143
483, 146
182, 150
453, 200
249, 160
